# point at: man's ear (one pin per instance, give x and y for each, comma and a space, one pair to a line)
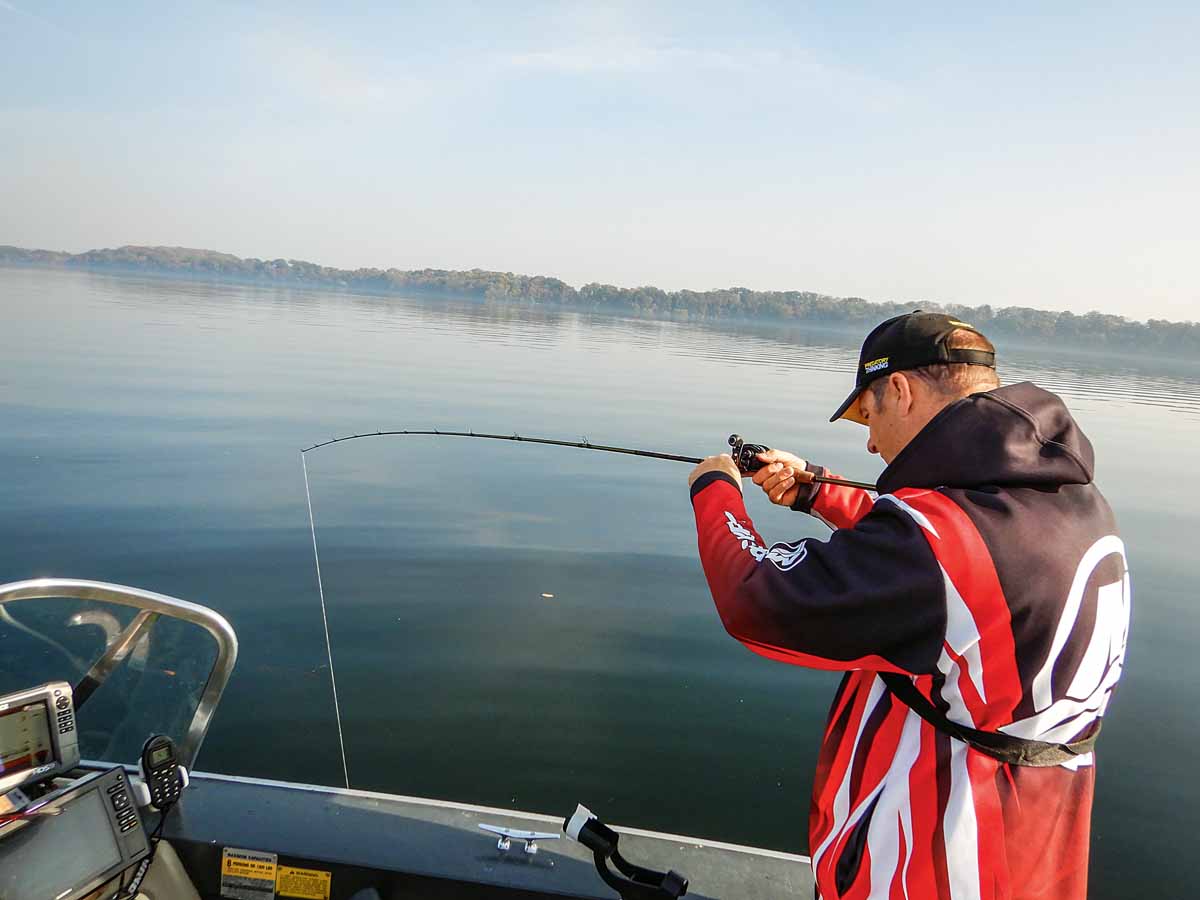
904, 390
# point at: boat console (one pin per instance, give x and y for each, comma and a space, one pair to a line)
69, 832
74, 827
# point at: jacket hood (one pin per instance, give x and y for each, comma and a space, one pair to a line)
1014, 435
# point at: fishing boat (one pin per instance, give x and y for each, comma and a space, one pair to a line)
118, 665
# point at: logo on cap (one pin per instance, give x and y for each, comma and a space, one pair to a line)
875, 365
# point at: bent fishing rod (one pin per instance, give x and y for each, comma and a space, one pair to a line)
744, 454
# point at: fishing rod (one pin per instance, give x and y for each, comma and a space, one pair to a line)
744, 454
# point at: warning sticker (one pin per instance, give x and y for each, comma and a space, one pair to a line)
309, 884
247, 874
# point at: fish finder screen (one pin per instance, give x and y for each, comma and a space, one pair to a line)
24, 738
59, 852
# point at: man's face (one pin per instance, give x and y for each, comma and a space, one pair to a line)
889, 420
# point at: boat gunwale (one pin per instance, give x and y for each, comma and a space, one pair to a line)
697, 842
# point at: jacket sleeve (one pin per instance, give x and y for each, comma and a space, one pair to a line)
871, 597
836, 506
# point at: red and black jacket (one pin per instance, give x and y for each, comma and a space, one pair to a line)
989, 571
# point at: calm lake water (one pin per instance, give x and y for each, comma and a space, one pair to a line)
150, 436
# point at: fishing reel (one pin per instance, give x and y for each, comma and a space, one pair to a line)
745, 456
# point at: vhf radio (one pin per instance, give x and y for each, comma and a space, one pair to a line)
163, 776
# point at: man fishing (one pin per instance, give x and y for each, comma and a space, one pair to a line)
979, 607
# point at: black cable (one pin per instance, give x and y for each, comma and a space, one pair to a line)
130, 891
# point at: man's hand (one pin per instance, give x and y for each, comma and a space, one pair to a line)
782, 476
722, 463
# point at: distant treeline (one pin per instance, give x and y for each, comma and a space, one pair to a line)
1092, 330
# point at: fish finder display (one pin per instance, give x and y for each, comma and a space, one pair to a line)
24, 738
81, 837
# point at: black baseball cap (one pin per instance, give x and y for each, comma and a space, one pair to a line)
909, 341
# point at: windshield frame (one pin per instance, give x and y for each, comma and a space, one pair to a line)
151, 605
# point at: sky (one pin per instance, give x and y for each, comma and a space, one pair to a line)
1017, 154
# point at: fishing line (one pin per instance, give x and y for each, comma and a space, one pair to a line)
744, 455
312, 524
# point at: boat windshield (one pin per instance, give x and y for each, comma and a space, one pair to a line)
140, 663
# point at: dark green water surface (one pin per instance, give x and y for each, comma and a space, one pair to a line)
149, 434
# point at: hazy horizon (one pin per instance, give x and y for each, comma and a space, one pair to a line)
1011, 157
385, 267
